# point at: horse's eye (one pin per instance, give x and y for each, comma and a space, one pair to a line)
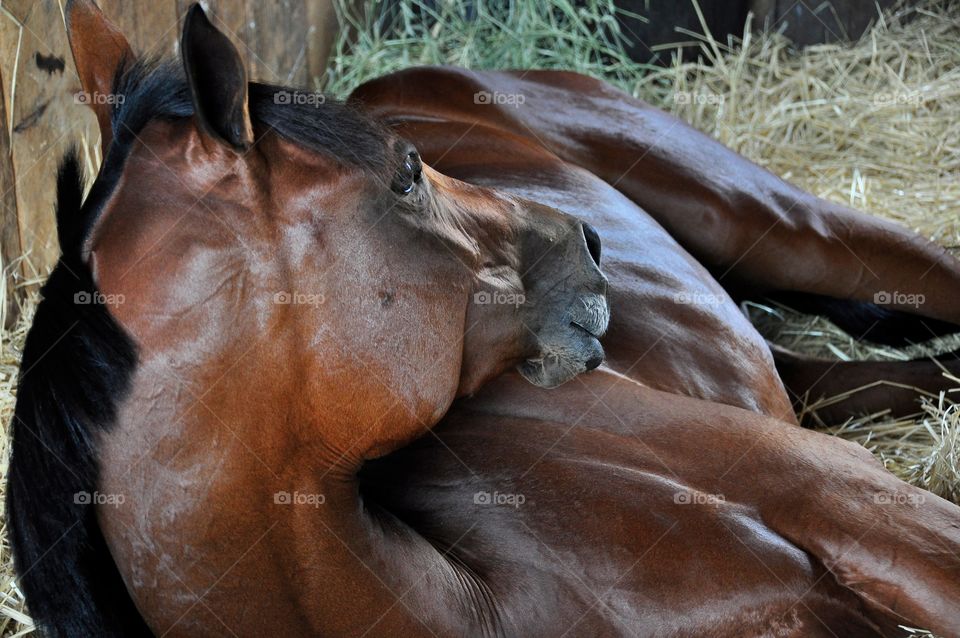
409, 174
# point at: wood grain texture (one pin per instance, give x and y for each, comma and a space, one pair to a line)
9, 224
152, 28
46, 120
286, 41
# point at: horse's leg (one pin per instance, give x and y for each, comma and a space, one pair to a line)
857, 386
748, 225
868, 321
732, 214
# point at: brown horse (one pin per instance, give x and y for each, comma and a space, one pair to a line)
249, 358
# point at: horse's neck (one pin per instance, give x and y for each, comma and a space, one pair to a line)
346, 545
287, 515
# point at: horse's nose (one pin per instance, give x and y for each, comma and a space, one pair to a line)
592, 238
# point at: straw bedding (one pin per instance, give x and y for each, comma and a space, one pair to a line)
873, 125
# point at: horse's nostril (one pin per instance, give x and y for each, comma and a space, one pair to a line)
593, 241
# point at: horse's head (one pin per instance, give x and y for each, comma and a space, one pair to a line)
242, 220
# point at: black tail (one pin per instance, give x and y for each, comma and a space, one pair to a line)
76, 364
869, 321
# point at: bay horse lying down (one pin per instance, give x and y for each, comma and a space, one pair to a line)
270, 388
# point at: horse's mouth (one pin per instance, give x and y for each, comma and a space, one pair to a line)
592, 316
595, 331
570, 348
559, 363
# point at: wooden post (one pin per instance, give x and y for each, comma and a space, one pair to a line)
10, 249
46, 121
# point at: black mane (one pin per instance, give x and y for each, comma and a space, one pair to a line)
77, 362
158, 90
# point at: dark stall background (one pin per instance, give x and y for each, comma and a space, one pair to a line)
803, 21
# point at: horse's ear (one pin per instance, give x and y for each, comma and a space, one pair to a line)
218, 81
99, 51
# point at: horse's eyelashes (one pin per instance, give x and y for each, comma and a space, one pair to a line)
416, 166
409, 174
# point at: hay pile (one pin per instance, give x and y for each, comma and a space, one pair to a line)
872, 125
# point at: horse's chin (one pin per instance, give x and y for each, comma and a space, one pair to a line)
562, 361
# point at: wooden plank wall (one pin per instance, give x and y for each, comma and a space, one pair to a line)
283, 41
9, 232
